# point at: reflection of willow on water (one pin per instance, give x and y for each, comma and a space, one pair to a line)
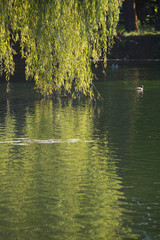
60, 190
59, 121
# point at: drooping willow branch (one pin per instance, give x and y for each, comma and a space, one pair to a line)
58, 39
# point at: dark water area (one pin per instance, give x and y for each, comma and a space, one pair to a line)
82, 170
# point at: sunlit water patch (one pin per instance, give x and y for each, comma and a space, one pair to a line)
58, 176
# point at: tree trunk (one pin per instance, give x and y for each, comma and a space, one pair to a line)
130, 16
141, 10
157, 20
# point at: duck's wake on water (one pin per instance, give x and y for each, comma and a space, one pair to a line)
26, 141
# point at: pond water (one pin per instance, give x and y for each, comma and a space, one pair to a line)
82, 170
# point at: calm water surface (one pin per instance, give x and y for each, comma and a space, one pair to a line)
82, 170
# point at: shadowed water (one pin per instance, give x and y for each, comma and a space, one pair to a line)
82, 170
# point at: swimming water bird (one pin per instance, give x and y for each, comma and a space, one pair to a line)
114, 66
140, 89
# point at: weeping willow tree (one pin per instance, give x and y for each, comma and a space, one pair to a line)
59, 40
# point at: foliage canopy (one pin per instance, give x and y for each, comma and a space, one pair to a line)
59, 40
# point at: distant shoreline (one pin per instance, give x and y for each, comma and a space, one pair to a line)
146, 48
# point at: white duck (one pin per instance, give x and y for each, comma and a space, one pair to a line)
140, 89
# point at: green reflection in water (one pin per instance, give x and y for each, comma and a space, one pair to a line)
62, 190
